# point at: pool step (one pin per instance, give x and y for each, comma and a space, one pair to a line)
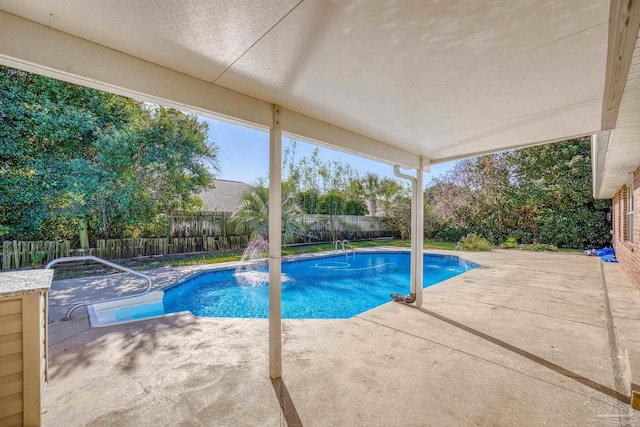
122, 311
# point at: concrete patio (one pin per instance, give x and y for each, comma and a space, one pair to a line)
528, 339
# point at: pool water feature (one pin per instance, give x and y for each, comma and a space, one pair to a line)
330, 287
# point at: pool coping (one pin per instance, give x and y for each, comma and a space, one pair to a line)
99, 313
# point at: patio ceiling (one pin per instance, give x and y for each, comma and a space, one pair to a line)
391, 80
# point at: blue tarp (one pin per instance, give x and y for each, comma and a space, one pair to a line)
605, 254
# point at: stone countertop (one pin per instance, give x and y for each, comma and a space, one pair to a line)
21, 282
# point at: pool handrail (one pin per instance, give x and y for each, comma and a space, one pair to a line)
57, 261
344, 249
353, 251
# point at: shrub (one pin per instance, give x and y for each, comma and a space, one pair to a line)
539, 247
475, 242
451, 233
37, 259
510, 243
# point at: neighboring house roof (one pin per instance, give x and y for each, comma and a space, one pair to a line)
226, 196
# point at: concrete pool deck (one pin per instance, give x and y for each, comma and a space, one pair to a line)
528, 339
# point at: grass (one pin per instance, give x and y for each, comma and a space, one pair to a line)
70, 272
149, 263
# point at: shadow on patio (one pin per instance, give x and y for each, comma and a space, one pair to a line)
521, 341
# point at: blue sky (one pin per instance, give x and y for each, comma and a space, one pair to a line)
243, 154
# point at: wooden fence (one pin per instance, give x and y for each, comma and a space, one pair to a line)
182, 224
130, 248
223, 236
331, 236
347, 223
17, 254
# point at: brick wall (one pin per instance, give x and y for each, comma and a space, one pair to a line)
628, 254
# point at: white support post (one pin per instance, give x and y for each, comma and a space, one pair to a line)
419, 234
413, 289
275, 245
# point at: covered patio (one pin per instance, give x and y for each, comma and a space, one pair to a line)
523, 340
410, 84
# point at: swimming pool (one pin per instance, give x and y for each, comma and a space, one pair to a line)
330, 287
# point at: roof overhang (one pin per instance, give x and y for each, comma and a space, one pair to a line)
437, 80
615, 151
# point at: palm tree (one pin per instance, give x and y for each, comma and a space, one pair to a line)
254, 213
370, 185
376, 190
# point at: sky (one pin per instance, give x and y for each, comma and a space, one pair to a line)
243, 154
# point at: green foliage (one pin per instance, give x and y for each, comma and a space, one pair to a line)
510, 243
539, 247
313, 173
475, 242
451, 234
398, 216
376, 191
334, 187
540, 194
555, 183
69, 153
331, 203
37, 258
4, 230
308, 201
254, 213
354, 207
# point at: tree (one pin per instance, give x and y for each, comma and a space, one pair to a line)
325, 186
254, 213
313, 173
554, 185
309, 201
540, 194
354, 207
376, 190
331, 203
71, 156
370, 184
398, 215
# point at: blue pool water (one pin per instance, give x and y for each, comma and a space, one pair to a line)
329, 287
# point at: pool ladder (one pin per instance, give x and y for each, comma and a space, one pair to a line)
108, 264
344, 248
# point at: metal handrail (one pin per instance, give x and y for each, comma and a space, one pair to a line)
107, 263
344, 249
353, 251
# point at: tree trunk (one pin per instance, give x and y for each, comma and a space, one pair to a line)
84, 234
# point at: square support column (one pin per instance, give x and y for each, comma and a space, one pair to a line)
275, 245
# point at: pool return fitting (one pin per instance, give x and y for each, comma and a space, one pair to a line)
407, 299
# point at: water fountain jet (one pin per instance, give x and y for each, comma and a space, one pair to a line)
254, 270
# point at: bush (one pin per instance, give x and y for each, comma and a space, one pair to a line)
475, 242
539, 247
37, 259
510, 243
451, 233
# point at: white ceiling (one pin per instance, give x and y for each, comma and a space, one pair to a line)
442, 79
